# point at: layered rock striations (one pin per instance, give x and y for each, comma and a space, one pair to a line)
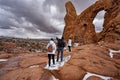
81, 28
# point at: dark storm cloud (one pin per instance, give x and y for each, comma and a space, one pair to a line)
31, 12
36, 16
79, 5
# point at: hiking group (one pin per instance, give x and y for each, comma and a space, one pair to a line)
52, 47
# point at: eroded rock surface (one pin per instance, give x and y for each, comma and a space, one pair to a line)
24, 67
89, 58
93, 58
81, 28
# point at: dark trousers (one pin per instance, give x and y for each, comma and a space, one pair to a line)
51, 56
60, 53
69, 48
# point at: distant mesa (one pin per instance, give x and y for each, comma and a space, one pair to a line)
81, 28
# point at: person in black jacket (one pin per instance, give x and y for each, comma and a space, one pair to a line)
60, 48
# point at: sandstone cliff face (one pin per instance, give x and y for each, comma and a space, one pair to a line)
111, 28
69, 19
82, 29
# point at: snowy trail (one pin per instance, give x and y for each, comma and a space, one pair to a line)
57, 64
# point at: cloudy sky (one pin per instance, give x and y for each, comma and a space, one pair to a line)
38, 18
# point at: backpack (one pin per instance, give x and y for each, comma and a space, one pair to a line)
61, 43
50, 48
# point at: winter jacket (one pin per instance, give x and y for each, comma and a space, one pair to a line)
60, 43
53, 46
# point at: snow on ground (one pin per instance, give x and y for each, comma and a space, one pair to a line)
65, 59
111, 52
34, 66
76, 44
57, 64
1, 60
54, 67
91, 74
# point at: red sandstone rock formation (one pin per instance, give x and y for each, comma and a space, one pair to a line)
21, 67
69, 20
81, 28
89, 58
111, 27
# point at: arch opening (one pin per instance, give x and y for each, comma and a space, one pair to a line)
99, 21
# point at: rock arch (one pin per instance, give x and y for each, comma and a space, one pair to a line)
80, 27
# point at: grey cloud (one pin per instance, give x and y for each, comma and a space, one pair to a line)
31, 13
79, 5
5, 24
38, 14
58, 3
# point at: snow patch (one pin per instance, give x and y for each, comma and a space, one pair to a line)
76, 44
65, 59
91, 74
34, 66
1, 60
52, 67
57, 64
111, 52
